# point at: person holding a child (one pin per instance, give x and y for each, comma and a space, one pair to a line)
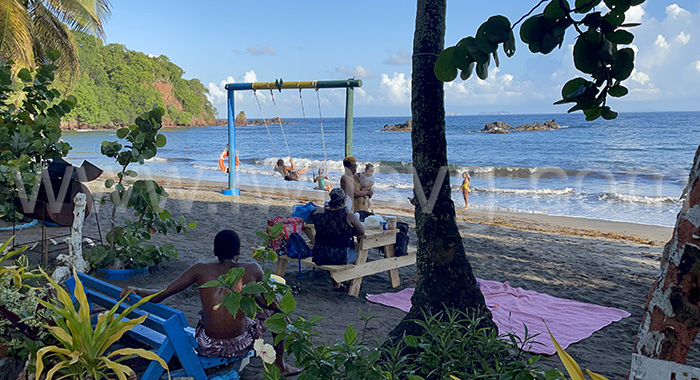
350, 183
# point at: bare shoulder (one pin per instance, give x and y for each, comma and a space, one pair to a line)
253, 269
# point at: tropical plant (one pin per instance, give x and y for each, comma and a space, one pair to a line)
570, 364
22, 326
596, 52
82, 351
265, 252
30, 132
127, 244
31, 28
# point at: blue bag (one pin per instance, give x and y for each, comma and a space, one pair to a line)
297, 247
303, 211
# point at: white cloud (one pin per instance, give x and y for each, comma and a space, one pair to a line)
496, 89
357, 71
261, 50
634, 14
683, 38
363, 97
217, 93
402, 57
639, 77
697, 65
396, 89
250, 77
661, 42
674, 11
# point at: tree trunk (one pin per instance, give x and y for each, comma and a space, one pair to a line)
672, 315
445, 278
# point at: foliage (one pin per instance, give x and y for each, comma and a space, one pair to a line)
115, 82
30, 133
82, 349
22, 327
265, 252
33, 28
451, 343
127, 244
596, 52
570, 364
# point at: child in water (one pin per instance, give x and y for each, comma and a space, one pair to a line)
465, 189
366, 182
321, 179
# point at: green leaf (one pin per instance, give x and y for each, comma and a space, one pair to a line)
608, 114
483, 42
466, 74
249, 306
618, 91
288, 304
253, 288
122, 132
495, 58
474, 51
585, 6
411, 341
621, 37
573, 88
276, 323
109, 182
554, 11
25, 75
160, 140
509, 45
624, 64
461, 58
497, 29
53, 55
592, 113
232, 302
350, 334
482, 71
445, 69
586, 57
192, 225
211, 284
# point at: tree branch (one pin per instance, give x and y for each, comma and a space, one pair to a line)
528, 13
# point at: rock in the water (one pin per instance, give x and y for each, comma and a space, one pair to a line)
497, 127
401, 127
548, 125
241, 120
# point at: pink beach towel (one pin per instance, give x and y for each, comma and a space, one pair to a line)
570, 321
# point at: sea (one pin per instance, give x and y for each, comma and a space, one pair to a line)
630, 169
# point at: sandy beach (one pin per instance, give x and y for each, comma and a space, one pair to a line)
596, 261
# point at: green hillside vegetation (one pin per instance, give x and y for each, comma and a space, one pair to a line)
115, 85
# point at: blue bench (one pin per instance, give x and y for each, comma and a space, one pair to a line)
166, 330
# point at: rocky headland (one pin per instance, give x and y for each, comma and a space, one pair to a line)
401, 127
501, 127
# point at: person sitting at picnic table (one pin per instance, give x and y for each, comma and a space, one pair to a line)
335, 226
350, 183
289, 172
218, 332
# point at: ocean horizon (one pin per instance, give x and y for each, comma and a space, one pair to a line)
631, 169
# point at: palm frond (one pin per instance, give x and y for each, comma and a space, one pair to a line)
15, 33
83, 15
50, 33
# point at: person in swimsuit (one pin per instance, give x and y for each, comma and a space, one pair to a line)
350, 184
321, 179
288, 172
465, 189
218, 332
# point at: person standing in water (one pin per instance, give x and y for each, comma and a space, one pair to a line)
465, 188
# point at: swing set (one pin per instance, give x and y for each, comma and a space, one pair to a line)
232, 158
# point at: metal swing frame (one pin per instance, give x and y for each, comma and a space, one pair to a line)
348, 84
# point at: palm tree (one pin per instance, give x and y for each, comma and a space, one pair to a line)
30, 28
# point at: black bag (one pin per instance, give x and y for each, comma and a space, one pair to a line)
297, 247
401, 245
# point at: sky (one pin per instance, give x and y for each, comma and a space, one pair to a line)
222, 42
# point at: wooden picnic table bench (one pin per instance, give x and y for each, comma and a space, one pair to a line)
165, 329
362, 266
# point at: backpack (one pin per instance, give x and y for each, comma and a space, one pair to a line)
297, 247
291, 224
401, 245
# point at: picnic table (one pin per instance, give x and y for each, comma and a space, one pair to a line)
362, 266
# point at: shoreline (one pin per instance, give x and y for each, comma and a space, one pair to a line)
639, 233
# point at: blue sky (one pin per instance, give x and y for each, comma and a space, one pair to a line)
241, 41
